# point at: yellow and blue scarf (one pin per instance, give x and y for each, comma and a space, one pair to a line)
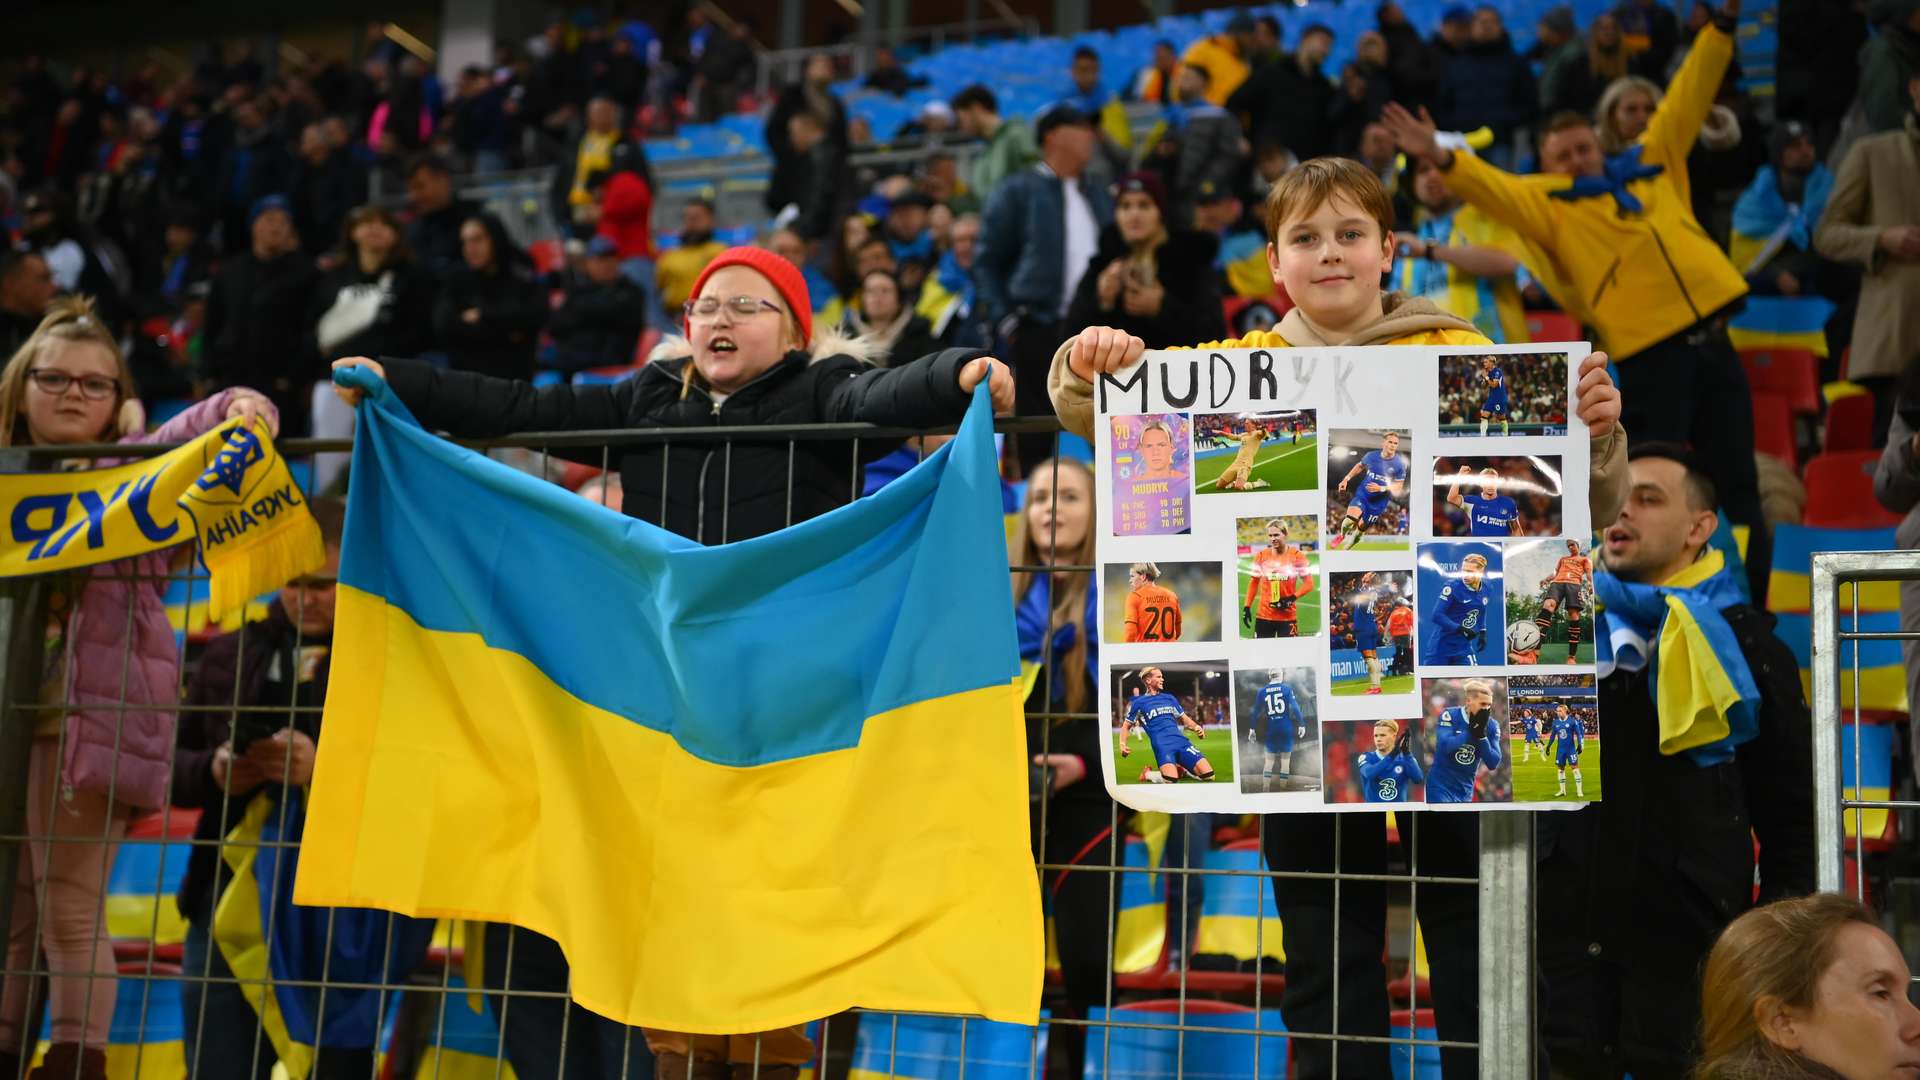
1704, 692
229, 489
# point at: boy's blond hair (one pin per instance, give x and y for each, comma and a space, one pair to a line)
1311, 183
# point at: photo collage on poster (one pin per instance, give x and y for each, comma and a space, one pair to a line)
1337, 577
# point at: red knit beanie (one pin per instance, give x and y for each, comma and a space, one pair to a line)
786, 279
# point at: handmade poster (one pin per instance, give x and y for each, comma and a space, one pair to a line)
1385, 596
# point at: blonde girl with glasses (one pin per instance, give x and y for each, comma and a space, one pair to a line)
109, 677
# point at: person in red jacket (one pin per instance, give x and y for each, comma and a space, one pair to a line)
624, 202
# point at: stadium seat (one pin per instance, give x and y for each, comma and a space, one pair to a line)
901, 1046
1127, 1053
1773, 428
1553, 326
1840, 491
1415, 1062
1794, 373
1849, 423
1883, 677
1790, 586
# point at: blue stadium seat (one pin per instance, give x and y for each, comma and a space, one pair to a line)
1415, 1062
1231, 1049
898, 1046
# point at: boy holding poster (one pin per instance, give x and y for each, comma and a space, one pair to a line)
1329, 225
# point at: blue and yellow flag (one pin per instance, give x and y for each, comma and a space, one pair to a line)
281, 951
742, 786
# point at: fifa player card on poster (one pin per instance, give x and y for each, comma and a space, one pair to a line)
1386, 595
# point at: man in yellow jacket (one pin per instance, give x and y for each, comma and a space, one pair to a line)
1616, 242
1330, 230
1225, 58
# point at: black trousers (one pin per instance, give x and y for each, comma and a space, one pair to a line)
1078, 832
1445, 845
1691, 389
596, 1048
1265, 628
1030, 351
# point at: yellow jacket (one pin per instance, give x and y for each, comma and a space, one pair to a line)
1225, 70
1637, 278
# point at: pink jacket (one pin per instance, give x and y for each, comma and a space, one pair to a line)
120, 648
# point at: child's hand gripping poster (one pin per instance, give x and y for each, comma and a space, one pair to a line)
1336, 578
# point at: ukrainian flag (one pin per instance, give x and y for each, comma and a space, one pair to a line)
279, 950
1790, 584
1883, 677
1782, 322
724, 779
1237, 914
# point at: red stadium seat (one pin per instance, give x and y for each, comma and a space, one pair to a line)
1840, 492
1850, 423
1792, 372
1554, 326
1773, 427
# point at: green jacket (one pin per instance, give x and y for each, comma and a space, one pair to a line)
1010, 150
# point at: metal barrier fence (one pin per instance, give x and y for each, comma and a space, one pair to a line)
156, 972
1843, 810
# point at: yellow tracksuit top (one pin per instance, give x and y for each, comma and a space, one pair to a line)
1640, 278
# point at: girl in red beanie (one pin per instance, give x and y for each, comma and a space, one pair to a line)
751, 356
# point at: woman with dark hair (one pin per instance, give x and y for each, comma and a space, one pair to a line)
490, 311
885, 320
1155, 280
372, 303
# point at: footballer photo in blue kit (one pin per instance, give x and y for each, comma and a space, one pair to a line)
1461, 605
1172, 723
1503, 395
1280, 726
1496, 498
1467, 722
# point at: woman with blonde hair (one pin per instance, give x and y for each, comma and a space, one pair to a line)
1625, 108
1055, 613
1807, 989
110, 676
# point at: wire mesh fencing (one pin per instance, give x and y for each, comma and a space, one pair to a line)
1860, 716
1168, 956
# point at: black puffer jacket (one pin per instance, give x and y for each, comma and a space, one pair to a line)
512, 309
598, 325
1190, 313
710, 491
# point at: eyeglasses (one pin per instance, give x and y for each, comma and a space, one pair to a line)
740, 307
92, 387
